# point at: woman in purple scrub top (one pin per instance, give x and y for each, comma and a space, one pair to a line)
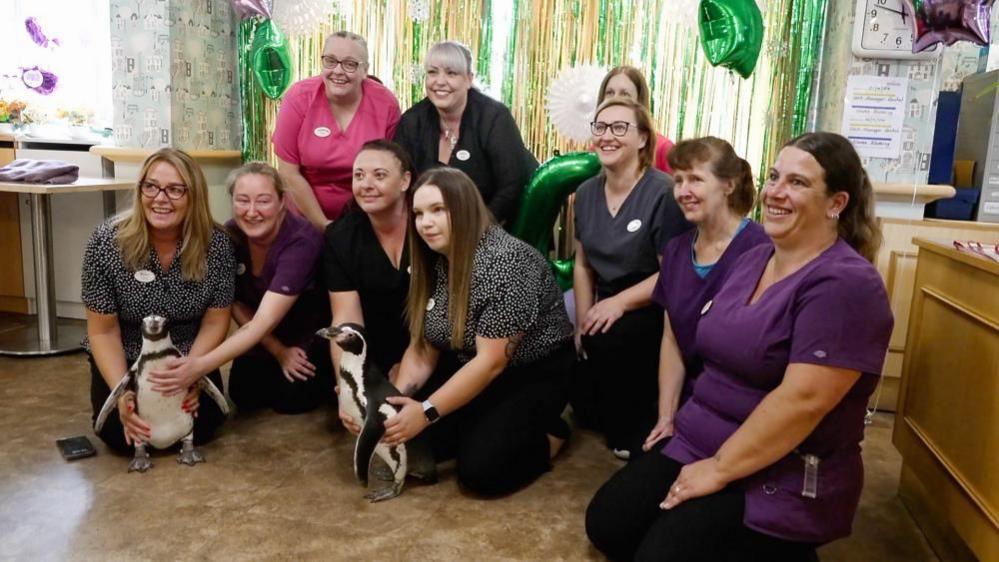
715, 189
765, 460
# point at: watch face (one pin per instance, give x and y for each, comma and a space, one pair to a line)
887, 27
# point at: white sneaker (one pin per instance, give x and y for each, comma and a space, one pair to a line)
623, 454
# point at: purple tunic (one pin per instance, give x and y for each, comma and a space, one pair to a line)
682, 292
833, 311
290, 269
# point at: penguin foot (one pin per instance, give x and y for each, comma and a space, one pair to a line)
385, 493
190, 457
429, 477
140, 463
382, 472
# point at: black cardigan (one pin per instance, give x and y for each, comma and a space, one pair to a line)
498, 162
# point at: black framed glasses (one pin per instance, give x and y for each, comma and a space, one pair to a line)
174, 191
617, 128
348, 65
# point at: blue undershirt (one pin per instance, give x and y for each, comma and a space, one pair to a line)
702, 271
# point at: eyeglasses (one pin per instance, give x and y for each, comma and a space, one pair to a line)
174, 191
617, 128
348, 65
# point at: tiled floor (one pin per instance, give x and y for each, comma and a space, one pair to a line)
281, 488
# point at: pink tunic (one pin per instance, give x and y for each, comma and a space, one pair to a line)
306, 134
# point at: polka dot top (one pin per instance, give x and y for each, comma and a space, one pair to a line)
109, 287
513, 292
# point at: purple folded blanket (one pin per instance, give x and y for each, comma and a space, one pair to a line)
40, 171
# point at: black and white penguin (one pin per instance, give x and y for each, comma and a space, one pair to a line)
168, 422
363, 391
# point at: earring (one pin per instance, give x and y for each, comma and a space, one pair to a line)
834, 216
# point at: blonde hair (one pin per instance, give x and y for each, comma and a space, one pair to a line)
646, 154
258, 168
134, 238
469, 219
352, 37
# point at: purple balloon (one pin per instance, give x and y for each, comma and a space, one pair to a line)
948, 21
249, 8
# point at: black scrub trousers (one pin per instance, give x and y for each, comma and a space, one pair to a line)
256, 381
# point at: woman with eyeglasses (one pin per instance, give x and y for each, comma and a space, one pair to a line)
623, 217
164, 256
322, 123
277, 362
628, 81
456, 125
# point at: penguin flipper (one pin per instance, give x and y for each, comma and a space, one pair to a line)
112, 402
209, 388
371, 434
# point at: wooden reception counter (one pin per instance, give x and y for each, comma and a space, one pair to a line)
947, 426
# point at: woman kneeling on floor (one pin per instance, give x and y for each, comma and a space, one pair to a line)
276, 360
490, 301
765, 460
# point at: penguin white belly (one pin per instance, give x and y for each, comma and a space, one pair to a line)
168, 422
348, 402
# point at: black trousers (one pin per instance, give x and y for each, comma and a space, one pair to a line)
210, 416
256, 381
499, 439
616, 389
624, 521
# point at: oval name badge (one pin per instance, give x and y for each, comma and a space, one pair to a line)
430, 304
321, 132
462, 155
634, 225
145, 276
706, 307
240, 268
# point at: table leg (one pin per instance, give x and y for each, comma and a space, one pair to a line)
47, 335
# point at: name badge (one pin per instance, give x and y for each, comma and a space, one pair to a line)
240, 268
321, 132
706, 307
462, 155
634, 225
430, 304
145, 276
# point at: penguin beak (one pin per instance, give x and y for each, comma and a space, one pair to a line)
328, 333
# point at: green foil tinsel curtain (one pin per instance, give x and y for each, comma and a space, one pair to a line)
689, 97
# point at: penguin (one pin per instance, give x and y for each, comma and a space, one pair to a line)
363, 390
168, 422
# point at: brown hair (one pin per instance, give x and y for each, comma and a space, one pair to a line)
725, 164
469, 219
844, 171
260, 169
383, 145
636, 77
643, 118
133, 230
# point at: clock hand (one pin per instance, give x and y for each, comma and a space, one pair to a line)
899, 12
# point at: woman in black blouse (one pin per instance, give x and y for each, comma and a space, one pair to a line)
491, 301
164, 256
458, 126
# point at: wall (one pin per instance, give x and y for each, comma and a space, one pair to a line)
173, 77
926, 78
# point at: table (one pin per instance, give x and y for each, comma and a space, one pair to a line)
49, 335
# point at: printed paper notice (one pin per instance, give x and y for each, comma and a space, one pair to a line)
874, 113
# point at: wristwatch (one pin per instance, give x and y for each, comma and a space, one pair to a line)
430, 412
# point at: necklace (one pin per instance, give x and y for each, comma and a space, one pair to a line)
449, 136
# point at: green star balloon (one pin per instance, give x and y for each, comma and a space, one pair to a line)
543, 196
731, 33
269, 59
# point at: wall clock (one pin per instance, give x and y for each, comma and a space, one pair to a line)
883, 30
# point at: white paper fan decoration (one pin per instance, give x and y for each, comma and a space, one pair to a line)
684, 13
572, 99
296, 17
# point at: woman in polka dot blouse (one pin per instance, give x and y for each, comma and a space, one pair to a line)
164, 256
276, 360
490, 342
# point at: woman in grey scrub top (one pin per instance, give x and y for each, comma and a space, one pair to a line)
623, 217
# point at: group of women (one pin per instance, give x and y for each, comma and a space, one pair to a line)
729, 361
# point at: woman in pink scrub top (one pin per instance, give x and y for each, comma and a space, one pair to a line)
322, 124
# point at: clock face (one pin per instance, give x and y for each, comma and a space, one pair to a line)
887, 27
